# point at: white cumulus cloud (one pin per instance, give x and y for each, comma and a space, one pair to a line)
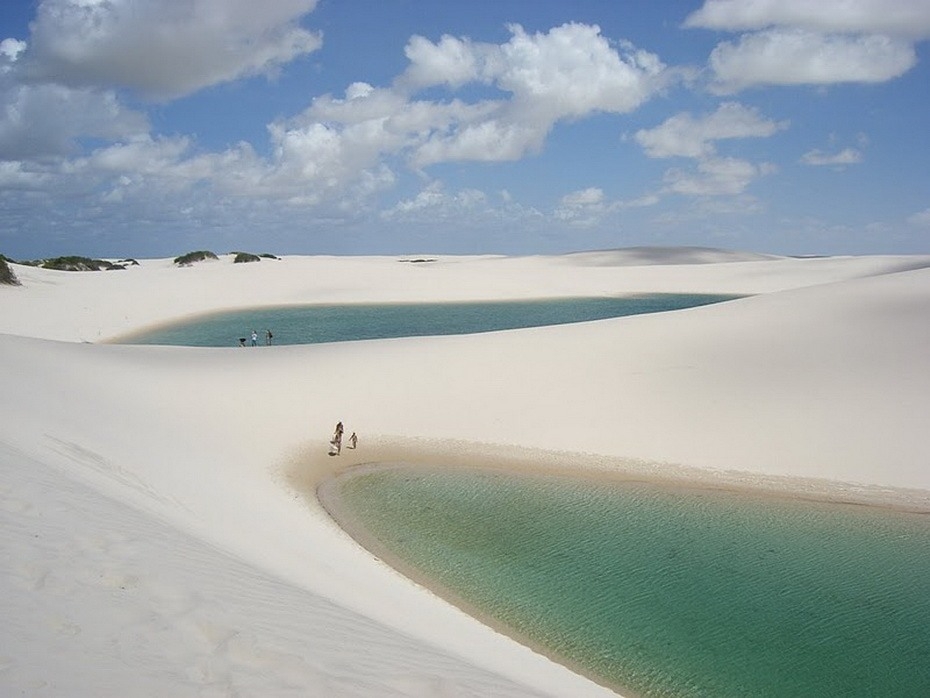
11, 48
532, 81
906, 18
573, 70
846, 156
433, 203
583, 208
796, 42
42, 120
450, 61
569, 72
683, 135
591, 196
164, 49
801, 57
716, 177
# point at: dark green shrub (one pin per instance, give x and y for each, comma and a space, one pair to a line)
186, 260
6, 273
75, 263
242, 257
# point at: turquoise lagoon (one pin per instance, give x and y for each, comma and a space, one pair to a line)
661, 590
336, 323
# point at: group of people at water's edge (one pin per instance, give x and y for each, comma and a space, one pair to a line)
335, 444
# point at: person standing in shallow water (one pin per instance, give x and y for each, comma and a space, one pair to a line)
254, 338
268, 337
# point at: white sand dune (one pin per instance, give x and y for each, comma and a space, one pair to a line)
161, 536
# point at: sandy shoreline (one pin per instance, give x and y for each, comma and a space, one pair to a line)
313, 473
822, 377
328, 493
131, 336
319, 480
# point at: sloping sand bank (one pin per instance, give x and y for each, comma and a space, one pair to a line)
159, 522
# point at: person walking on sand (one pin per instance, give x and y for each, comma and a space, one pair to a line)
254, 338
353, 441
268, 337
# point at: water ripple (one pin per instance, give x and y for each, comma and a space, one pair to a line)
669, 591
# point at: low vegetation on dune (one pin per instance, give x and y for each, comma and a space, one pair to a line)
7, 276
185, 260
241, 257
78, 263
75, 263
68, 263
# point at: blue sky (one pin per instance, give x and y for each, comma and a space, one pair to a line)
154, 127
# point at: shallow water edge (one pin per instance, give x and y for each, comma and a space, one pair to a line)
309, 469
424, 457
321, 323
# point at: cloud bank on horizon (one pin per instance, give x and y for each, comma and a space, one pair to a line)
139, 127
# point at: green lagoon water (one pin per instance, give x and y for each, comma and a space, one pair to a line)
667, 591
337, 323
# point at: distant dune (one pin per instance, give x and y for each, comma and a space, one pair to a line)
635, 256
